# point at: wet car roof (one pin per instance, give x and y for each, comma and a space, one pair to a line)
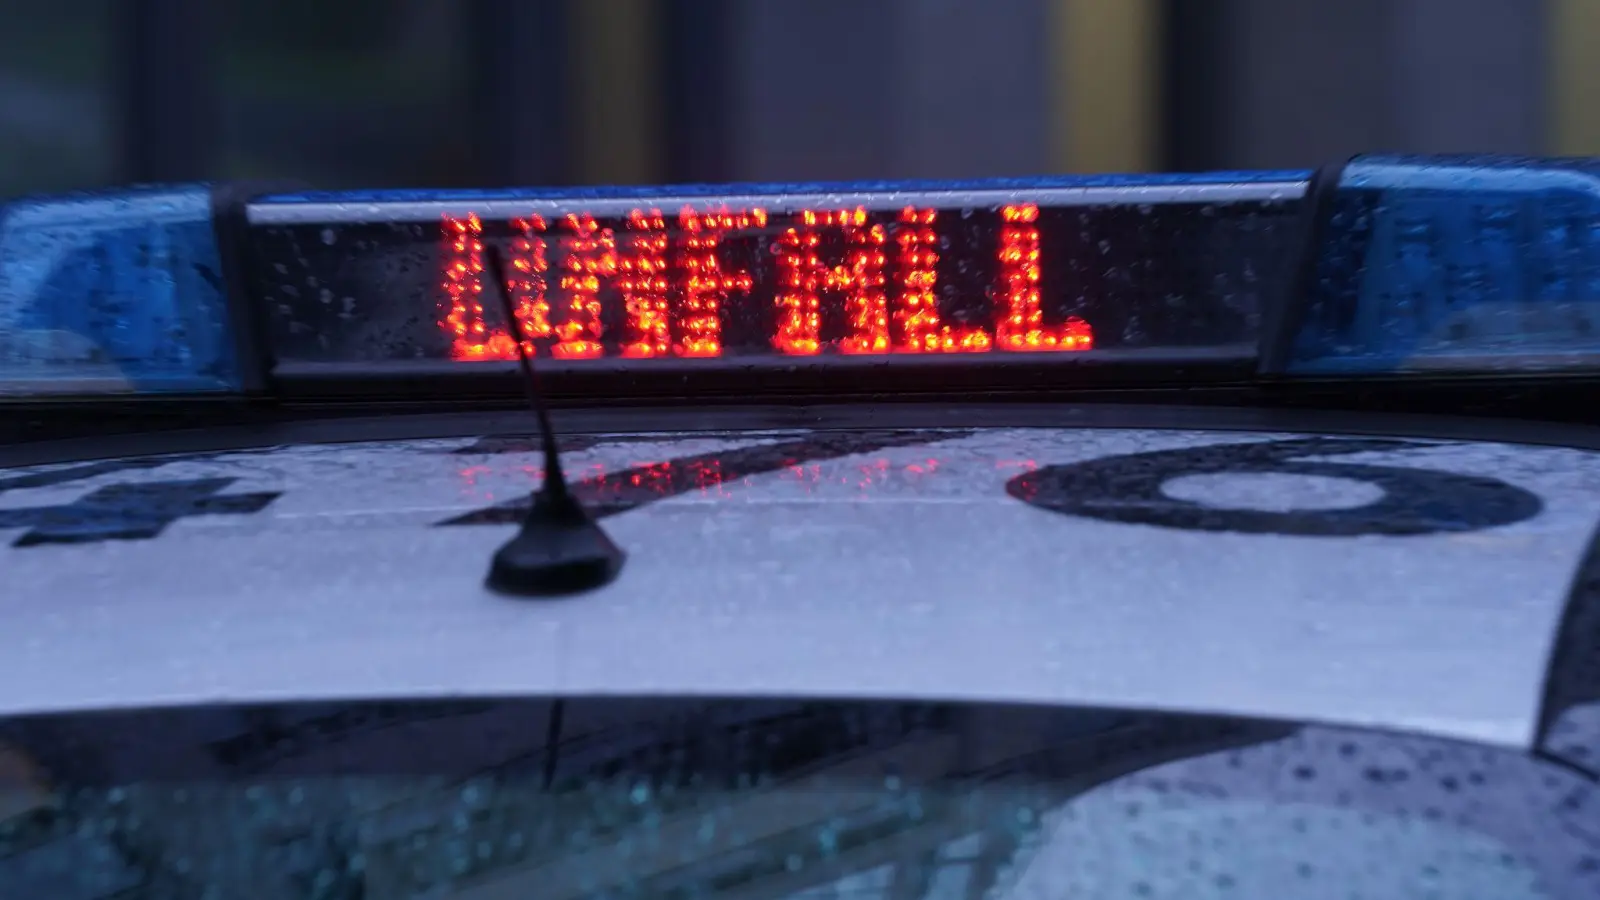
1405, 584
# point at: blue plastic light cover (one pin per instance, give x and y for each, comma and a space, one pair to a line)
1456, 264
113, 293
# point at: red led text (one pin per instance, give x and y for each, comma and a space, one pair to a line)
675, 285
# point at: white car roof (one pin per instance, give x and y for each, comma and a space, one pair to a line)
926, 565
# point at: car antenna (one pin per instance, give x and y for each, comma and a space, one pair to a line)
560, 549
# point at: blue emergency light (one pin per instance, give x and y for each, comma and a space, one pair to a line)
116, 292
1455, 264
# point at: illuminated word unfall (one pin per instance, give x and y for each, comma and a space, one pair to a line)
679, 286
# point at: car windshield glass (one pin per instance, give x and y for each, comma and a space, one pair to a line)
698, 799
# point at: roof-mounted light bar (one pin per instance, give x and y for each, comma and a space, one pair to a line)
1411, 265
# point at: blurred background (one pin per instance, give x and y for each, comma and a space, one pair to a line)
352, 93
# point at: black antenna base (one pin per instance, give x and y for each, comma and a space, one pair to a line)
559, 551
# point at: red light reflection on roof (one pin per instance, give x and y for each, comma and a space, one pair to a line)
707, 476
1014, 467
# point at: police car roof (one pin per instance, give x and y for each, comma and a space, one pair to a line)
1411, 584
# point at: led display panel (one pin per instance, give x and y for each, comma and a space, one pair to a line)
981, 270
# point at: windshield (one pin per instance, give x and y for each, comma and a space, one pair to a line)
780, 799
